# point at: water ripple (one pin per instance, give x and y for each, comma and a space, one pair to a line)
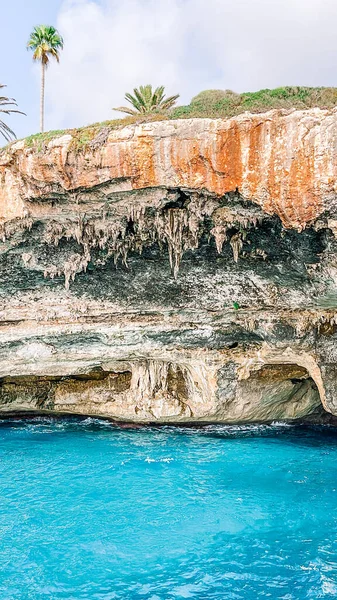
92, 510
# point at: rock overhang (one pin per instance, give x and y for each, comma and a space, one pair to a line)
284, 161
245, 206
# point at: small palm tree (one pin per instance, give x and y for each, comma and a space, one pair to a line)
146, 101
7, 106
46, 43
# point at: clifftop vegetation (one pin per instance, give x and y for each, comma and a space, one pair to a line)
225, 103
207, 104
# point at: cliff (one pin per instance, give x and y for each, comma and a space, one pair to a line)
175, 271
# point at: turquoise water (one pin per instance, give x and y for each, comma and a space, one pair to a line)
92, 511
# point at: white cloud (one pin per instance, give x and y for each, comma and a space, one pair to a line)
112, 46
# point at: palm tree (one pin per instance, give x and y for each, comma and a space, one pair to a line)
7, 106
46, 42
146, 101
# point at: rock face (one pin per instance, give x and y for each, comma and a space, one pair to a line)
179, 271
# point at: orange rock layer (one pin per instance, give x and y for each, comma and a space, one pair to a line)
284, 162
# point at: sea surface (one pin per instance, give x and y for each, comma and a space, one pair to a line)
89, 510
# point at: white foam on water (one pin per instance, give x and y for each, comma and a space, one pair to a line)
159, 460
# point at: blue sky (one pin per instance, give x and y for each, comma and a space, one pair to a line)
17, 19
187, 45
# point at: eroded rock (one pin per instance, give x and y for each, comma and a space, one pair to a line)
181, 271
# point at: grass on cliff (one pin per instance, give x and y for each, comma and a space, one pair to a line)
225, 103
208, 104
83, 136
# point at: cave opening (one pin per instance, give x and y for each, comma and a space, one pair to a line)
284, 391
48, 394
272, 392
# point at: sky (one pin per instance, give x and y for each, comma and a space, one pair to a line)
111, 46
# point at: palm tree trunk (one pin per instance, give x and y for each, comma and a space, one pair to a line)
43, 79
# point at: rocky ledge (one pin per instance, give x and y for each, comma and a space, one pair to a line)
176, 271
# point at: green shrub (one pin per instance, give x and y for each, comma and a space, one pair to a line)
212, 97
207, 104
225, 103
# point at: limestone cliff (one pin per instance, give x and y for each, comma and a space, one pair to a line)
175, 271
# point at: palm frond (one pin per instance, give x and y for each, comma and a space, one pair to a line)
135, 101
169, 102
6, 132
146, 101
7, 107
141, 101
158, 96
45, 42
127, 110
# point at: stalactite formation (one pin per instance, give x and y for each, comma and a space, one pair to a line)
169, 379
9, 229
199, 267
176, 223
234, 224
